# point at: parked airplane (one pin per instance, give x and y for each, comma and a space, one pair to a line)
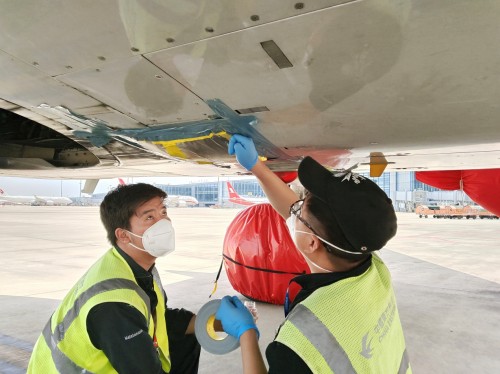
33, 200
137, 88
237, 199
181, 201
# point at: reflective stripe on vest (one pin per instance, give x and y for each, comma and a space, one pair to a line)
405, 363
326, 344
63, 363
319, 335
351, 325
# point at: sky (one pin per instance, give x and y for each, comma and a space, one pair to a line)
71, 188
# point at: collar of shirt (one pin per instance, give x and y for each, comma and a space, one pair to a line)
311, 282
143, 277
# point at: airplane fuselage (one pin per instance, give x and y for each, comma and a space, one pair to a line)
36, 200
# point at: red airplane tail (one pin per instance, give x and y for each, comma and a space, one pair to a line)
232, 193
235, 198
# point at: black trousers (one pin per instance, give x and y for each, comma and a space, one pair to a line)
184, 354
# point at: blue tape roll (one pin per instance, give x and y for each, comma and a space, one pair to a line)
203, 328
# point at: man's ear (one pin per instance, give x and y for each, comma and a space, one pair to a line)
122, 236
313, 244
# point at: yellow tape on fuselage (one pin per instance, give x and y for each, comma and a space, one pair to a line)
172, 146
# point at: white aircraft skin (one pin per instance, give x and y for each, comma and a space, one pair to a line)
143, 88
33, 200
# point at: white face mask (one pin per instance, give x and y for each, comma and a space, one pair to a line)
290, 222
158, 240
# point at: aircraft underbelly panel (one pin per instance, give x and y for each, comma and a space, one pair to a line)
27, 86
136, 84
363, 73
140, 90
50, 34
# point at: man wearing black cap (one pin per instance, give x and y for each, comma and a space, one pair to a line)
345, 318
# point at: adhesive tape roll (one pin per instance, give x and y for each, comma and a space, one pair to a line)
205, 332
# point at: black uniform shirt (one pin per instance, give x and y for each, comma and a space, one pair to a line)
121, 331
282, 359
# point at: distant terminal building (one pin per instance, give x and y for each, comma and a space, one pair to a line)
405, 191
215, 193
207, 193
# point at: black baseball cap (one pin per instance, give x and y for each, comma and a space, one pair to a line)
362, 209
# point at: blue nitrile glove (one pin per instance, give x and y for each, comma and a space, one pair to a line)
246, 154
235, 317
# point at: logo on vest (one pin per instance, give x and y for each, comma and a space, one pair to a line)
382, 327
366, 348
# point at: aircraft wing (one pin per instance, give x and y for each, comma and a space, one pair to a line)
37, 200
112, 89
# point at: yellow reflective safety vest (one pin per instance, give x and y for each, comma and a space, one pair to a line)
65, 346
350, 326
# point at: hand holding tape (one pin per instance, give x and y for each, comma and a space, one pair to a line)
206, 334
235, 317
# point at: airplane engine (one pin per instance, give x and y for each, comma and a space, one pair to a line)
260, 257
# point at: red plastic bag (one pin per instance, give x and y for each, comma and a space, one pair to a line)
260, 257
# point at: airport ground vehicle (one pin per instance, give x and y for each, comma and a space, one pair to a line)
452, 211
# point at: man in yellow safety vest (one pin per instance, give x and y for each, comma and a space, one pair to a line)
345, 318
115, 319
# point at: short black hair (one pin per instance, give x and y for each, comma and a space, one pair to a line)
121, 203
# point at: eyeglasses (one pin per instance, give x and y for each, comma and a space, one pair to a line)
296, 209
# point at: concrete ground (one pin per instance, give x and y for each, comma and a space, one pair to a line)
445, 274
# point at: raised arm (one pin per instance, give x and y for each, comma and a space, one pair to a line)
279, 194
